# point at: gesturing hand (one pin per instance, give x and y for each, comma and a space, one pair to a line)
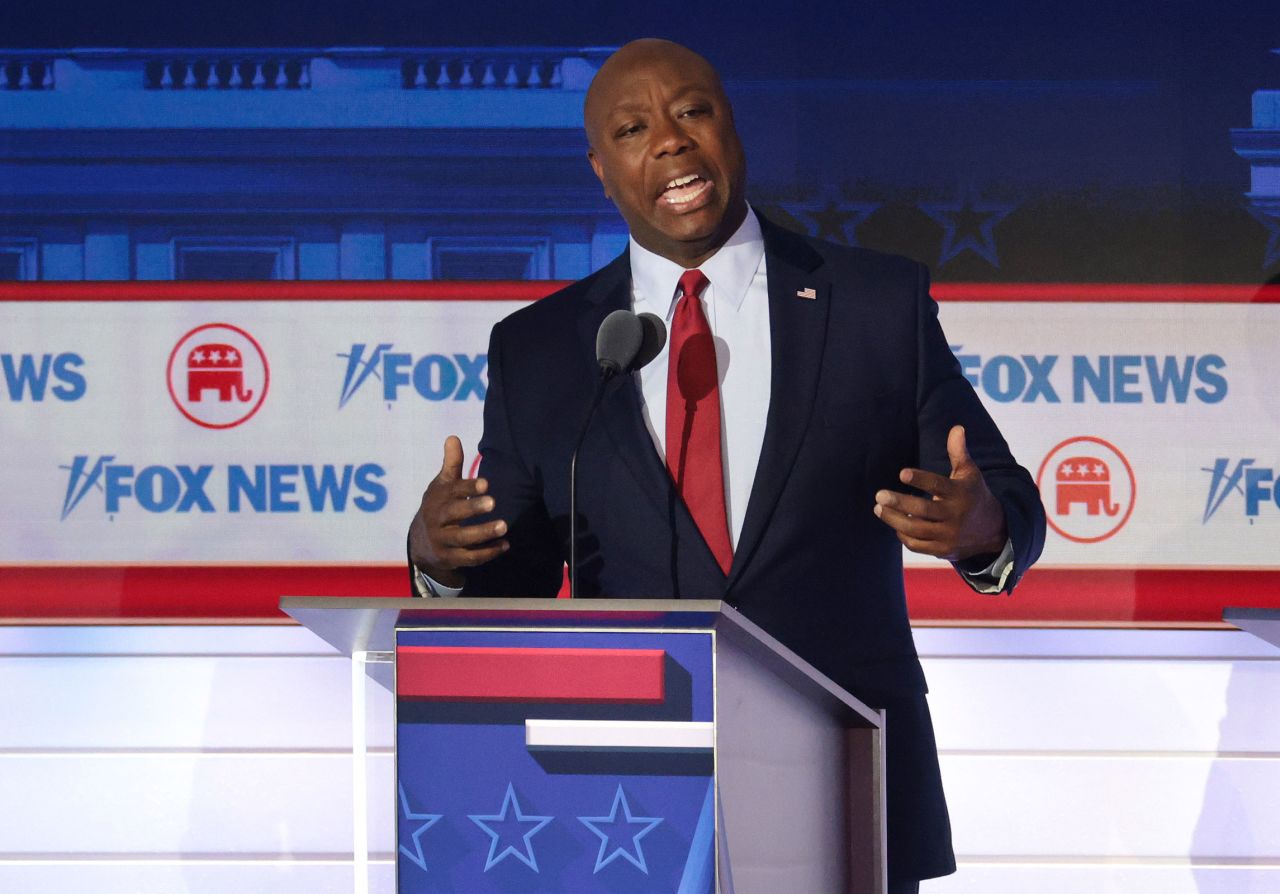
439, 543
960, 519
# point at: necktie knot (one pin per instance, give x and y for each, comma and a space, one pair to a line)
693, 282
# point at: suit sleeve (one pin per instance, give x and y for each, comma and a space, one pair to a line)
945, 398
533, 566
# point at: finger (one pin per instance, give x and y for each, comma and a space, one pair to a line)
451, 468
929, 482
924, 547
440, 493
958, 449
468, 536
920, 507
456, 511
918, 528
471, 557
465, 488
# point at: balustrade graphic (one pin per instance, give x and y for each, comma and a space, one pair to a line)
446, 73
26, 74
414, 68
228, 74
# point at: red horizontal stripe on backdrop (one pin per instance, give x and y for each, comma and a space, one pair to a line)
139, 593
485, 674
1103, 293
309, 290
235, 593
526, 290
1108, 596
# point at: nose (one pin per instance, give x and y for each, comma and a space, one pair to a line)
670, 137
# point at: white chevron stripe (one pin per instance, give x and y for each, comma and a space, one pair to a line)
617, 735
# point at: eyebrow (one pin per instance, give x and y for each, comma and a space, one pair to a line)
639, 106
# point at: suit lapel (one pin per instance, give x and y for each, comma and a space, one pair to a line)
621, 415
798, 327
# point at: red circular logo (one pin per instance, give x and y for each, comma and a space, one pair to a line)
218, 375
1089, 490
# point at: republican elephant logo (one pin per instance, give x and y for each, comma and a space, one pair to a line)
1089, 489
216, 367
218, 375
1087, 480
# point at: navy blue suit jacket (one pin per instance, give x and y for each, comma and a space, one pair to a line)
863, 384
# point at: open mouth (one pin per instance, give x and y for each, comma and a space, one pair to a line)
683, 190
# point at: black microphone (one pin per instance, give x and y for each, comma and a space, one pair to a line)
655, 336
624, 343
618, 342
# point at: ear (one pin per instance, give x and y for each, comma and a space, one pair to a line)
599, 171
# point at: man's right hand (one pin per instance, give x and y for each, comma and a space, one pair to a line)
439, 543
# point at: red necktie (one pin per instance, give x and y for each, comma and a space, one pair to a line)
693, 419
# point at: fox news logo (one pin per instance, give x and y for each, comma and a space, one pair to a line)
434, 377
1258, 486
33, 377
259, 488
1104, 379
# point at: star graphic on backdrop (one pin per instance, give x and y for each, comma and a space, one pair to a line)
613, 831
831, 216
968, 224
500, 826
1269, 218
427, 819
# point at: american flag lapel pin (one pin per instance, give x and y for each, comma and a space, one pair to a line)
807, 294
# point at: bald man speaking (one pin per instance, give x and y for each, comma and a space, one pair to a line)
804, 422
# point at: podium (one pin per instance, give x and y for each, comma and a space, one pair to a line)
614, 745
1264, 623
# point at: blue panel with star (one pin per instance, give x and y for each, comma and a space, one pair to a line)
480, 812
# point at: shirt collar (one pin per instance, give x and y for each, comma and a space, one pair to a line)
730, 270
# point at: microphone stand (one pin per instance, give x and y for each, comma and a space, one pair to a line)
607, 372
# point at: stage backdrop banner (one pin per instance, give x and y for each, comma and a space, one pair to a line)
197, 450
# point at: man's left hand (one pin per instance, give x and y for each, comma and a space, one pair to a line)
959, 519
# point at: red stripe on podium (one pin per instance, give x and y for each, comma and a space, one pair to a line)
488, 674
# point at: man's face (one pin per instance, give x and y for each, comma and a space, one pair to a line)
665, 148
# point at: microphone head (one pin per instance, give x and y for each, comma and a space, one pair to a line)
655, 336
618, 341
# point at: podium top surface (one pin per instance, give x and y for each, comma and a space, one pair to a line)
368, 624
1263, 623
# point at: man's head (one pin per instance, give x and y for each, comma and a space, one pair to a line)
663, 143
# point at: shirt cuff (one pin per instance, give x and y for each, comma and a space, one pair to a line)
427, 587
991, 580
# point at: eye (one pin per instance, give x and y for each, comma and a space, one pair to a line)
695, 112
629, 130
